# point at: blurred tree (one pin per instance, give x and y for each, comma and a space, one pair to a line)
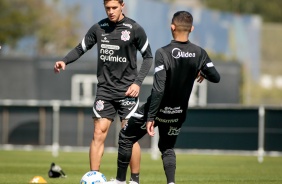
269, 10
40, 19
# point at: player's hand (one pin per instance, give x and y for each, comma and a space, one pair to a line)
133, 90
58, 66
200, 78
150, 128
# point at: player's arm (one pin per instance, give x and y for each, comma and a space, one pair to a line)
207, 70
158, 84
87, 43
142, 44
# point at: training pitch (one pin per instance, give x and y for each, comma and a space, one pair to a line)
19, 167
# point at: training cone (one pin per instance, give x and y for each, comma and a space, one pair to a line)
38, 179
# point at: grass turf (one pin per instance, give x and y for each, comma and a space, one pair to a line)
19, 167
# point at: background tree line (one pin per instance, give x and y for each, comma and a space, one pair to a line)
52, 26
270, 10
39, 19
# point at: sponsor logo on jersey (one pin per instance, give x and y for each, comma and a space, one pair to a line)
167, 120
125, 35
128, 25
99, 105
105, 34
171, 110
104, 24
177, 53
107, 55
105, 40
174, 131
107, 46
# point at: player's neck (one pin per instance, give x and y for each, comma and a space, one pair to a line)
181, 38
120, 17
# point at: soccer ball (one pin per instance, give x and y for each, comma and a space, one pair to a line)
93, 177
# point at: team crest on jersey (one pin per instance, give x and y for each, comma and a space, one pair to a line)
125, 35
99, 105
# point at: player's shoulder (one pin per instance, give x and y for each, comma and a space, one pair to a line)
197, 48
103, 23
129, 22
98, 25
162, 52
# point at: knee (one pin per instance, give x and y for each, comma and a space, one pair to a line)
99, 135
168, 153
124, 141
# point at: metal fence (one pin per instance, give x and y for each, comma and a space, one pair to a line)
66, 124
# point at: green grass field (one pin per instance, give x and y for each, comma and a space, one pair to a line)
19, 167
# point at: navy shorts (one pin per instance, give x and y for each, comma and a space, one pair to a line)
124, 107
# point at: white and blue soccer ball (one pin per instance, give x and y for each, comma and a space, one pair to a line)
93, 177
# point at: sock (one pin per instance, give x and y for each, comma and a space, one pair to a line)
169, 163
135, 177
121, 174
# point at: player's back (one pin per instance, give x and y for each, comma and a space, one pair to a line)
182, 61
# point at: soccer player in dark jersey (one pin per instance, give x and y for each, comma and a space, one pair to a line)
177, 66
118, 39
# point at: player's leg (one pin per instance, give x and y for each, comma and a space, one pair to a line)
128, 136
101, 128
135, 159
103, 115
127, 107
168, 135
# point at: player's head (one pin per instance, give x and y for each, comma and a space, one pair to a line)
114, 9
182, 22
120, 1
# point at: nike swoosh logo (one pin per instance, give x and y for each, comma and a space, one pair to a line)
131, 107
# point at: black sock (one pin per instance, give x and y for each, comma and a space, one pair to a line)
169, 163
135, 177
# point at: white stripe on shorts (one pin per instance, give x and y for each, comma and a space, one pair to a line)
96, 113
133, 110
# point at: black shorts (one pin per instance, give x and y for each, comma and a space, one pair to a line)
136, 129
125, 107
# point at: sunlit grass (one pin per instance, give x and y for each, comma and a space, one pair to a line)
18, 167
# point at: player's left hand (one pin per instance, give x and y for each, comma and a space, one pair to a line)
133, 90
150, 128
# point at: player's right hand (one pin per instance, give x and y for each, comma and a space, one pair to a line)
58, 66
150, 128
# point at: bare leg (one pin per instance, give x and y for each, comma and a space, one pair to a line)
101, 128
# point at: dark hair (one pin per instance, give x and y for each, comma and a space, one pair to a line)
182, 20
120, 1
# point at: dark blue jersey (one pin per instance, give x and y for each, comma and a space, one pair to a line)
117, 45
